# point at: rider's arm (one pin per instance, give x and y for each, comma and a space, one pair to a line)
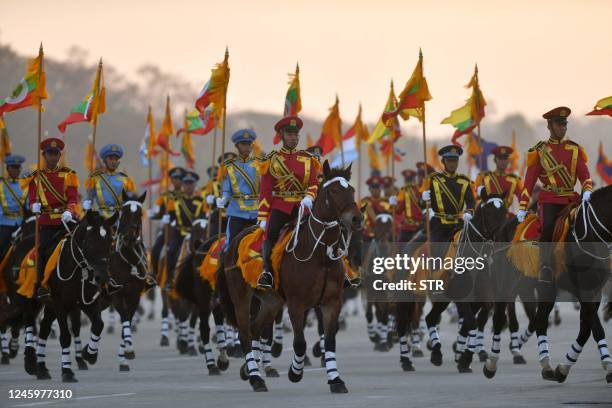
582, 171
534, 168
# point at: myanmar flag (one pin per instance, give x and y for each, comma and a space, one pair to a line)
293, 99
197, 123
215, 91
31, 89
604, 166
603, 107
331, 133
389, 126
91, 106
187, 150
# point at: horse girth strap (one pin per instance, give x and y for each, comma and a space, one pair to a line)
59, 197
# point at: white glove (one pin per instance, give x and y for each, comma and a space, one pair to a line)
165, 219
307, 202
520, 215
36, 208
586, 196
393, 200
426, 196
262, 224
478, 190
220, 202
66, 216
210, 199
87, 205
467, 216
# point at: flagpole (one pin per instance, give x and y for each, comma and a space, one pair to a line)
220, 215
36, 179
150, 178
95, 121
340, 133
212, 181
165, 177
358, 140
426, 171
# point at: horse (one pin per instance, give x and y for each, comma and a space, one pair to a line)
82, 266
127, 272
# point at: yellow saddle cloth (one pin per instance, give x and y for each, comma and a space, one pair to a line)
208, 268
26, 279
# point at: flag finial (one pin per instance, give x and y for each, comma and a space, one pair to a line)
297, 68
420, 53
226, 52
100, 64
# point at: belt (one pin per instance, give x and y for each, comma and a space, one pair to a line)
284, 194
108, 208
12, 214
53, 210
448, 217
558, 190
245, 196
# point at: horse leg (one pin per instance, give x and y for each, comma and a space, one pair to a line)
432, 320
369, 314
297, 316
330, 317
481, 321
42, 373
90, 352
62, 320
241, 297
127, 311
415, 330
220, 336
165, 325
599, 335
191, 339
499, 319
467, 337
29, 351
526, 294
266, 345
318, 350
112, 318
403, 310
14, 342
4, 346
515, 336
586, 315
382, 317
541, 326
277, 344
75, 326
204, 314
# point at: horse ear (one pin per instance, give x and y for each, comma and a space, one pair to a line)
142, 197
348, 170
90, 217
124, 196
326, 169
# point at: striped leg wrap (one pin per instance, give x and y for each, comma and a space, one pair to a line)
164, 327
604, 353
514, 342
251, 365
330, 365
433, 336
572, 354
40, 351
183, 327
93, 344
460, 323
461, 342
229, 336
525, 337
256, 347
297, 365
415, 338
479, 341
496, 346
4, 343
66, 357
126, 332
471, 344
121, 353
371, 331
322, 343
543, 347
267, 353
391, 323
78, 348
382, 330
192, 337
220, 337
278, 333
209, 356
112, 317
403, 341
29, 336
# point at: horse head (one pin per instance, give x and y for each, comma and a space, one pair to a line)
130, 217
335, 199
199, 229
490, 215
383, 227
94, 240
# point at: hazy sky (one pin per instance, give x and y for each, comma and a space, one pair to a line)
532, 55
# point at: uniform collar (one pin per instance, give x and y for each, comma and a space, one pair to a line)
287, 150
245, 160
555, 141
48, 170
447, 174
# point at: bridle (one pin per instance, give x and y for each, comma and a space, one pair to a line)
588, 216
137, 250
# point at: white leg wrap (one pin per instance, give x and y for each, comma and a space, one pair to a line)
604, 353
415, 338
29, 336
331, 366
251, 365
192, 337
403, 341
121, 353
514, 342
164, 327
297, 365
471, 344
40, 351
543, 347
322, 343
78, 347
4, 343
93, 343
572, 354
479, 341
525, 337
433, 335
220, 337
66, 357
383, 331
256, 347
126, 331
461, 343
209, 355
496, 346
278, 333
267, 353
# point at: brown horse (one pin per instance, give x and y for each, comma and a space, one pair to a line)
311, 274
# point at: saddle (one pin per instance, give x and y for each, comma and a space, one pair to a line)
208, 268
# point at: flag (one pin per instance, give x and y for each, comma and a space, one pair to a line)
91, 106
349, 152
5, 142
187, 150
433, 159
167, 130
411, 101
467, 118
215, 91
604, 166
514, 157
356, 131
309, 141
331, 131
373, 156
602, 107
390, 126
385, 150
147, 146
293, 99
198, 123
479, 151
92, 160
31, 90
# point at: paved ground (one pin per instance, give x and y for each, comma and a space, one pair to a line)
159, 377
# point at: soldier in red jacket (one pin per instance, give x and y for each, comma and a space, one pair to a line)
53, 192
288, 180
557, 163
500, 181
408, 212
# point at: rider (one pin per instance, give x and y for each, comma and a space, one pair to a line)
105, 186
408, 212
12, 200
557, 163
240, 185
375, 204
213, 190
499, 181
53, 192
451, 196
288, 180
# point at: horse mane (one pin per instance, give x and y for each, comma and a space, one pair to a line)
344, 172
603, 193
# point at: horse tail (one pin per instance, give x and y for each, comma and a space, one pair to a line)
225, 298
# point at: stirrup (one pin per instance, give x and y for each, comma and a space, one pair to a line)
265, 281
546, 274
43, 293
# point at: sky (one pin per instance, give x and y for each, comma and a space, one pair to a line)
532, 55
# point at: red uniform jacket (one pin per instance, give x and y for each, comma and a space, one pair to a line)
286, 177
408, 213
506, 185
557, 165
57, 192
374, 207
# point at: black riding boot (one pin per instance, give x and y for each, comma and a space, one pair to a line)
41, 293
266, 279
546, 272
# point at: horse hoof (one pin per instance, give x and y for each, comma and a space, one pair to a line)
482, 356
436, 355
191, 351
222, 364
293, 377
548, 374
244, 375
417, 353
164, 342
5, 359
455, 347
316, 350
337, 386
271, 372
609, 378
429, 346
89, 357
214, 370
182, 346
129, 355
407, 365
110, 330
238, 353
463, 369
42, 373
519, 359
81, 364
322, 361
150, 316
258, 384
307, 362
124, 367
29, 360
277, 349
68, 376
375, 338
487, 373
134, 328
559, 375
